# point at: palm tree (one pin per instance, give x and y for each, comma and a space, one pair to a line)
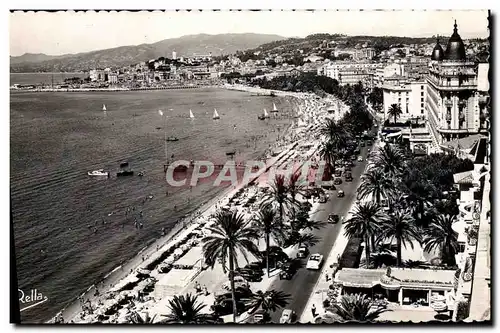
186, 309
296, 238
334, 132
269, 301
390, 159
419, 194
230, 235
364, 224
357, 308
440, 235
376, 184
400, 226
295, 187
279, 194
267, 226
329, 152
312, 224
136, 318
395, 111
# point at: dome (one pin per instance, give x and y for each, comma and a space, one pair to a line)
437, 53
455, 49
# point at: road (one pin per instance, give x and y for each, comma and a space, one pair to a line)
303, 282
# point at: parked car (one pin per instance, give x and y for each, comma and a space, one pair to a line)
333, 218
338, 173
288, 316
353, 157
348, 168
303, 252
239, 282
223, 304
369, 143
323, 199
249, 274
337, 181
260, 316
315, 261
340, 194
289, 269
360, 158
348, 177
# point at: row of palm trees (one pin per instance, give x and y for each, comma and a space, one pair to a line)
412, 216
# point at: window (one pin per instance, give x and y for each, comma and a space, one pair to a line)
422, 105
422, 87
422, 93
422, 100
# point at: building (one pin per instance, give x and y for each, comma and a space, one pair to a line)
408, 94
350, 72
174, 55
404, 286
456, 94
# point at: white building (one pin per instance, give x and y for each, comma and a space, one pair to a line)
174, 55
408, 94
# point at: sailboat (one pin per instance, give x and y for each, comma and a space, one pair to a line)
104, 107
191, 115
264, 116
274, 108
216, 115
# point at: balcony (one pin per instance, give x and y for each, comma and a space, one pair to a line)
452, 85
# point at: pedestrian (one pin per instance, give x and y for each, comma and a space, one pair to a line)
313, 310
327, 277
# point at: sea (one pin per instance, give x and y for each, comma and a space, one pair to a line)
71, 229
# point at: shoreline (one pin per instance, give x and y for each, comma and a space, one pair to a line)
42, 90
159, 246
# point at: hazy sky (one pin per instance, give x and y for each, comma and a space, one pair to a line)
69, 32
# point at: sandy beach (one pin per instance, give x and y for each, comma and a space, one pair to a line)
167, 266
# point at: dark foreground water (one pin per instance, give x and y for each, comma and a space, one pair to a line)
56, 138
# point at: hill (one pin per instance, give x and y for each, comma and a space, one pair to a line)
128, 55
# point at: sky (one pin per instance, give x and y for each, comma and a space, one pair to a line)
58, 33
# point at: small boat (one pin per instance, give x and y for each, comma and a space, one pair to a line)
261, 117
123, 164
104, 107
216, 115
172, 138
99, 172
140, 174
275, 109
124, 173
158, 128
231, 153
191, 115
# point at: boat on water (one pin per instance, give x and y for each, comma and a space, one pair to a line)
123, 164
172, 139
124, 173
98, 173
264, 116
191, 115
216, 115
275, 109
104, 107
231, 153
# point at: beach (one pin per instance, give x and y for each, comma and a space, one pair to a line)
150, 278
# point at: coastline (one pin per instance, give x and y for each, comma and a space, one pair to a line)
180, 230
117, 89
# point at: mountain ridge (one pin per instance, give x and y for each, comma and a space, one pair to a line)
132, 54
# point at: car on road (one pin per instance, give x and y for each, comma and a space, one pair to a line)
338, 173
340, 194
353, 157
348, 177
348, 168
360, 158
288, 316
369, 143
249, 274
288, 269
337, 181
260, 316
303, 252
315, 261
239, 282
334, 218
323, 199
362, 144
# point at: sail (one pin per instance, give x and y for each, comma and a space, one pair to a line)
274, 108
191, 115
104, 107
216, 115
266, 115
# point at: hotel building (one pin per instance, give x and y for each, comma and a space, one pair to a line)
456, 101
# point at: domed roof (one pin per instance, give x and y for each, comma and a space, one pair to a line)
437, 53
455, 49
